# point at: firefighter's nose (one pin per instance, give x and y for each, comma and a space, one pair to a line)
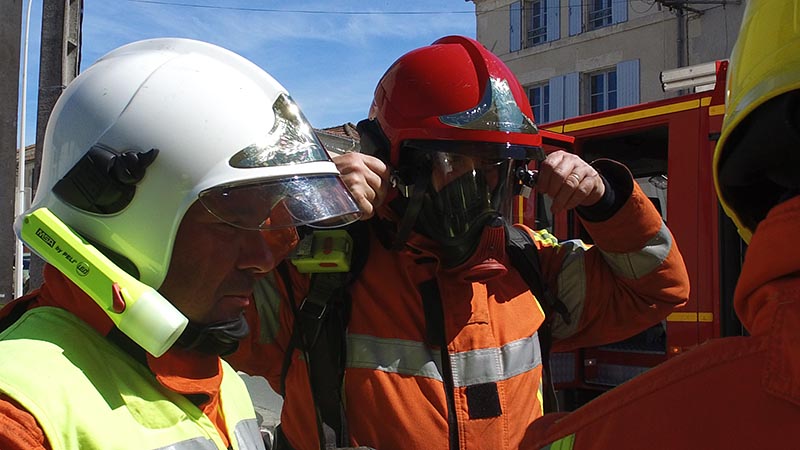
255, 254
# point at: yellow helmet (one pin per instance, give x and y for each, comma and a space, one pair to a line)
758, 151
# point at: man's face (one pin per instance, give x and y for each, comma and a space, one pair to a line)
214, 266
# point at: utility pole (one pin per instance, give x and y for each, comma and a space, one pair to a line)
10, 38
58, 66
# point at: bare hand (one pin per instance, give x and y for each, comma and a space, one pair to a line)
569, 181
367, 178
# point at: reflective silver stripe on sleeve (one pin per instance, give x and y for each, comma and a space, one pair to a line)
571, 287
198, 443
469, 368
248, 435
637, 264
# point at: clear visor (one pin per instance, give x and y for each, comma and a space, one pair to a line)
319, 201
466, 190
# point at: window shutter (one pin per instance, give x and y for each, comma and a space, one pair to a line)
619, 11
556, 98
575, 17
553, 20
571, 95
515, 28
628, 83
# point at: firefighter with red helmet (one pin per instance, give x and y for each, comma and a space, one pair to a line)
440, 336
736, 392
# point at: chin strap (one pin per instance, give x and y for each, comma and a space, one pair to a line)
220, 338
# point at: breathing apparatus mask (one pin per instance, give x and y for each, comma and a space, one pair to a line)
461, 198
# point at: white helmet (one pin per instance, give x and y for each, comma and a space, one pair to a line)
155, 125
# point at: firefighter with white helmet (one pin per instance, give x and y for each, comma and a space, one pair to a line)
438, 345
735, 392
165, 166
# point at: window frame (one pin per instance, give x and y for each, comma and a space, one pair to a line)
543, 105
532, 10
604, 93
599, 14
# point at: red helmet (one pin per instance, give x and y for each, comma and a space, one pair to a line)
457, 126
455, 90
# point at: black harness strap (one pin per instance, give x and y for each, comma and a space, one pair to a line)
320, 327
525, 258
436, 337
320, 315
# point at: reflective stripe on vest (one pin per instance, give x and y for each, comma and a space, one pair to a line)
472, 367
87, 393
564, 443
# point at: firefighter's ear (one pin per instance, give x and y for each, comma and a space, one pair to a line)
373, 141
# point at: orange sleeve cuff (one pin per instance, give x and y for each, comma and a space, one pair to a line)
630, 228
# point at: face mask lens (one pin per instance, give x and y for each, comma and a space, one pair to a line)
465, 192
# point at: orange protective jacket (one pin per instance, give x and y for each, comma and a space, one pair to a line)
188, 373
395, 379
731, 393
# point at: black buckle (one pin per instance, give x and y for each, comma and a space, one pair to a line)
312, 309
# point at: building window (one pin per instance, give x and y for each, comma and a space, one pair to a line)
603, 91
599, 14
536, 23
540, 102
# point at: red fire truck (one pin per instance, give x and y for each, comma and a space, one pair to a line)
668, 145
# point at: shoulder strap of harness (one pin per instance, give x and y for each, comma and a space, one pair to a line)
320, 324
525, 258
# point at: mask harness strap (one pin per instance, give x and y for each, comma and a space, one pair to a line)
415, 202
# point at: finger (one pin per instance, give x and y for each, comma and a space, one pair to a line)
581, 192
378, 178
364, 177
572, 186
587, 192
362, 193
565, 191
558, 172
548, 177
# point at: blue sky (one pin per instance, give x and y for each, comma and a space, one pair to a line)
328, 54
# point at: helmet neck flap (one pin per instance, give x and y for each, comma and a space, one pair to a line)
214, 339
